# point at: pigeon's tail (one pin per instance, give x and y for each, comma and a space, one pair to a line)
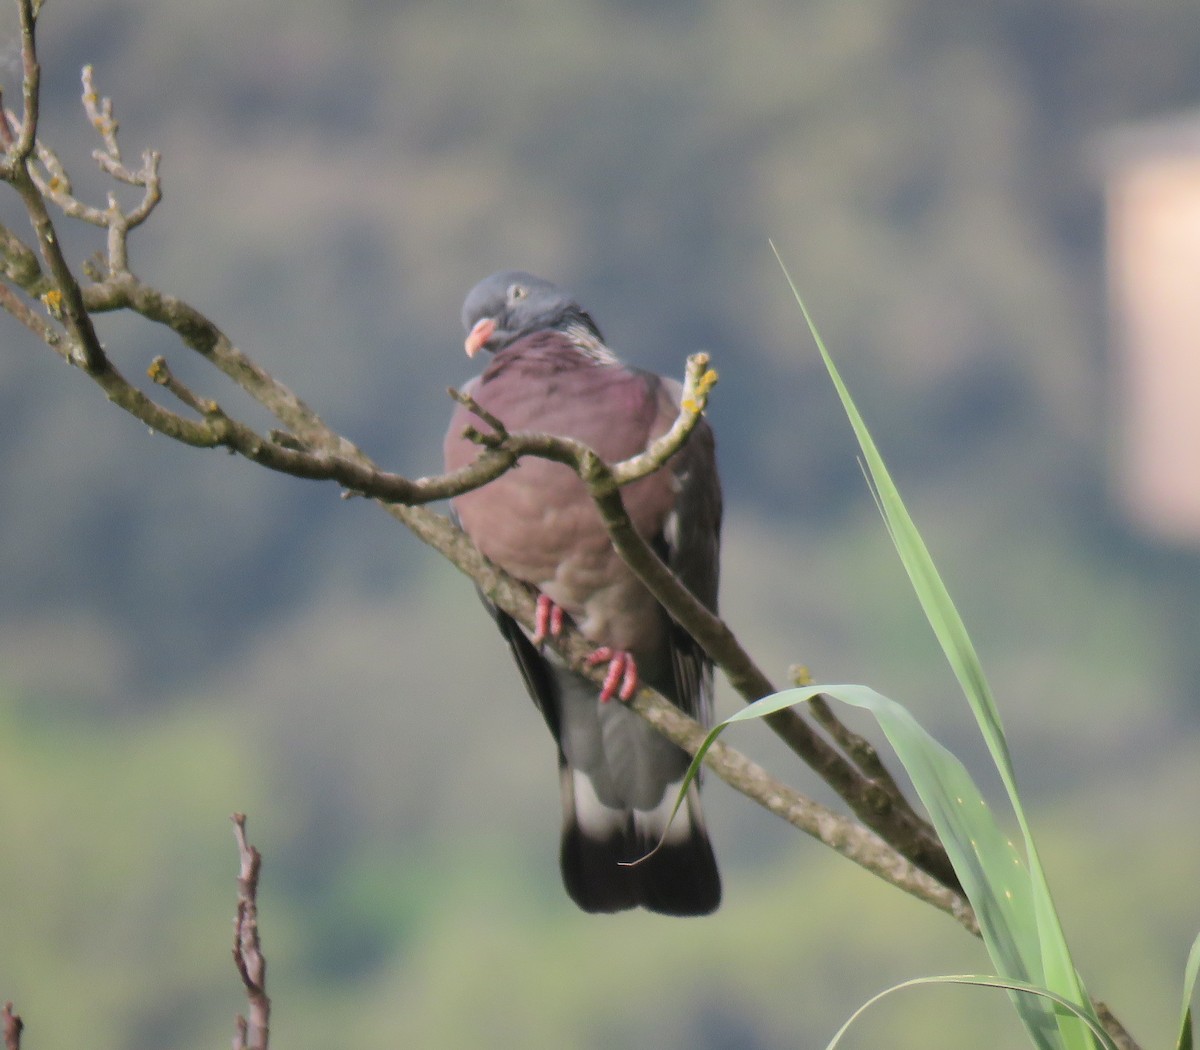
613, 859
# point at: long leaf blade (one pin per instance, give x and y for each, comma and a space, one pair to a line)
1055, 958
990, 868
1191, 973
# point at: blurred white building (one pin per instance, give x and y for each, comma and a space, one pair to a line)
1153, 217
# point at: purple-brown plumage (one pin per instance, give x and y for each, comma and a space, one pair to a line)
551, 372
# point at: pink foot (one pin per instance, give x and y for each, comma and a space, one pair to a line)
622, 671
548, 620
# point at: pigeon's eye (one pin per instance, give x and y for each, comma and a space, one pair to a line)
516, 292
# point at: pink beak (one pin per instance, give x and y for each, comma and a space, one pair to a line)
484, 329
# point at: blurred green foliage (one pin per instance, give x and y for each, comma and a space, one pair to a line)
117, 883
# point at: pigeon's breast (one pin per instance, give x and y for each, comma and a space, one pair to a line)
538, 521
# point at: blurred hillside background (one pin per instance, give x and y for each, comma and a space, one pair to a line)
183, 635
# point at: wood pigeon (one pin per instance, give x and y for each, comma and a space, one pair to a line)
550, 371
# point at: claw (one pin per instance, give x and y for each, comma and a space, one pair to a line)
622, 672
548, 620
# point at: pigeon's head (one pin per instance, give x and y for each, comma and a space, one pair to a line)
510, 304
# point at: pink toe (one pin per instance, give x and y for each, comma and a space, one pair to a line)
629, 680
547, 620
621, 679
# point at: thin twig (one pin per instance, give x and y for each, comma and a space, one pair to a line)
161, 373
31, 77
13, 1026
698, 382
23, 312
253, 1031
499, 430
859, 748
1113, 1027
19, 264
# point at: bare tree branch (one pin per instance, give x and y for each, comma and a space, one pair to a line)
252, 1032
315, 451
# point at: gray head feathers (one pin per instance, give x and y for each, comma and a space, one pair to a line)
518, 303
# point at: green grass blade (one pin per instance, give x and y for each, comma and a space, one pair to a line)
1017, 988
1059, 971
1190, 974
